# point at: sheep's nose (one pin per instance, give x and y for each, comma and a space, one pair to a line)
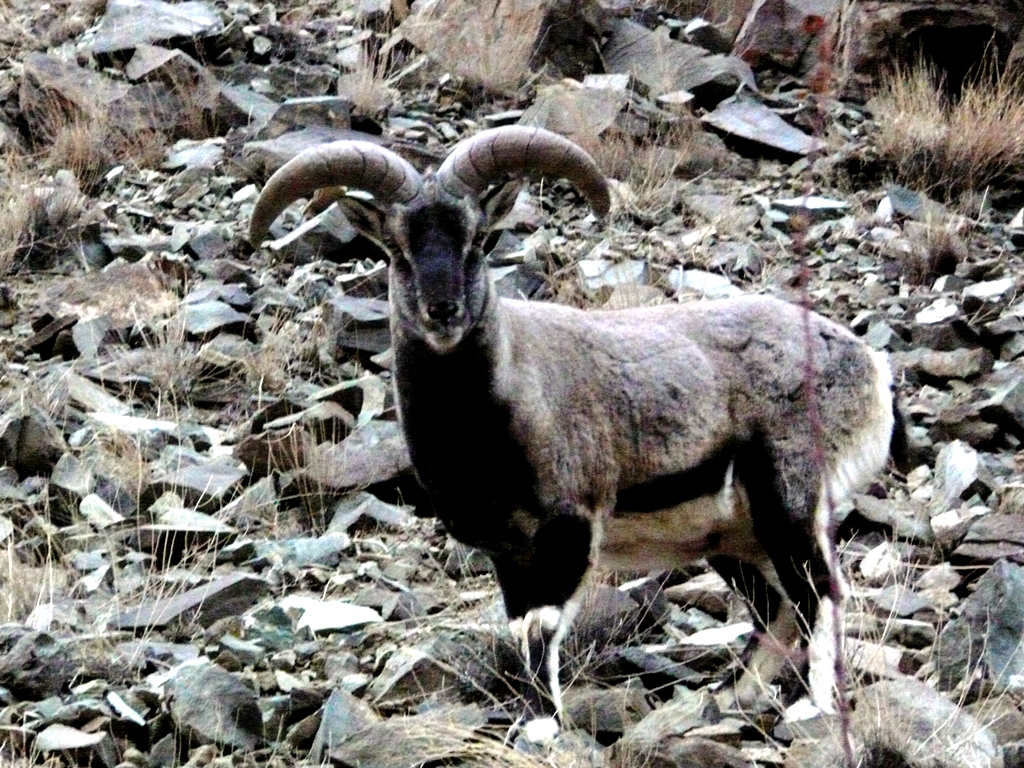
443, 311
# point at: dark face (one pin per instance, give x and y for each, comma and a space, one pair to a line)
439, 281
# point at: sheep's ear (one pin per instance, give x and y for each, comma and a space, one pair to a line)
497, 201
366, 216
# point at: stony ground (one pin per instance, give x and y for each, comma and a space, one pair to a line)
212, 550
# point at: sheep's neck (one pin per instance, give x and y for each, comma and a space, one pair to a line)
461, 439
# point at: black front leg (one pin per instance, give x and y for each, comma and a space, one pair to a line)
537, 586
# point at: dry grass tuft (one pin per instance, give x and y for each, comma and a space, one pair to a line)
40, 223
367, 87
24, 586
646, 167
437, 741
41, 26
950, 147
493, 46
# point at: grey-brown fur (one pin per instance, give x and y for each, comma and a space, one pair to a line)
561, 413
735, 366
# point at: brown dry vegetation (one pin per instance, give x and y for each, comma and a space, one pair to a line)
41, 220
493, 50
38, 221
646, 166
950, 146
23, 586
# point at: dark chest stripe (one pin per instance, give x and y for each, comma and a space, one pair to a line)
669, 491
461, 442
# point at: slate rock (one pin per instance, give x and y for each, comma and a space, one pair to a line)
366, 507
343, 716
203, 317
47, 78
306, 111
323, 551
604, 713
328, 615
943, 365
199, 485
1000, 716
327, 235
264, 157
214, 706
660, 739
450, 666
703, 284
1004, 403
897, 600
440, 735
60, 738
89, 335
33, 665
757, 123
909, 718
29, 441
666, 66
906, 519
509, 39
226, 596
956, 473
572, 111
358, 324
993, 537
464, 562
728, 216
76, 745
601, 273
607, 617
72, 480
239, 107
987, 634
785, 34
130, 23
374, 453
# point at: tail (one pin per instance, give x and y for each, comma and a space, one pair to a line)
904, 457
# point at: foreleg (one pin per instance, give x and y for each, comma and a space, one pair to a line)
538, 588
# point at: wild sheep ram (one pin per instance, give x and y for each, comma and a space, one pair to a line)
559, 440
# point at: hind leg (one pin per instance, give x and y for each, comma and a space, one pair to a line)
771, 651
790, 523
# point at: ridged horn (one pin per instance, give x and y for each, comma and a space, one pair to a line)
356, 164
487, 157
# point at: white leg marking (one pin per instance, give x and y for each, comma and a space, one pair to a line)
821, 652
548, 616
541, 731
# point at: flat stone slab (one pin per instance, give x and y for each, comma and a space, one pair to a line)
228, 596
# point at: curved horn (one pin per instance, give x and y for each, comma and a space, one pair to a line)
357, 164
485, 158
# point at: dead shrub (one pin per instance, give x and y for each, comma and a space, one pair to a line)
950, 146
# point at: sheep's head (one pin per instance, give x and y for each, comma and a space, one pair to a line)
439, 285
439, 280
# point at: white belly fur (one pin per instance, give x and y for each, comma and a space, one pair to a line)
673, 537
